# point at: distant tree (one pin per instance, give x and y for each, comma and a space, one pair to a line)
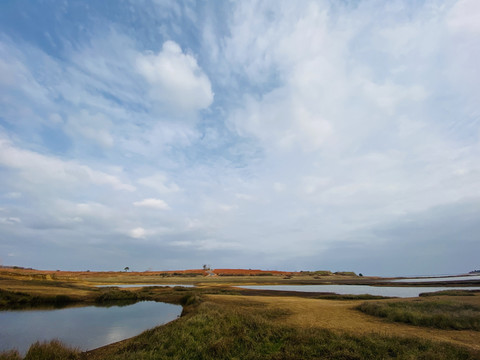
360, 274
126, 268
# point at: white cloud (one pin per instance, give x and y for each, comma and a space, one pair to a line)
312, 184
94, 127
104, 100
13, 195
245, 197
207, 244
282, 121
464, 16
153, 204
176, 79
226, 207
92, 210
138, 233
193, 224
160, 183
15, 74
279, 187
10, 220
37, 168
462, 51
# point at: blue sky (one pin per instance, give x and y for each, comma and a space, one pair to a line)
279, 135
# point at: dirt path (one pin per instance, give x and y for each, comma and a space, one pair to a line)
341, 316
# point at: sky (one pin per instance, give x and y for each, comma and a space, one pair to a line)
287, 135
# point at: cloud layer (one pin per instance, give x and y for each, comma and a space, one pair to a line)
320, 135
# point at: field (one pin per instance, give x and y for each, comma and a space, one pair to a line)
220, 322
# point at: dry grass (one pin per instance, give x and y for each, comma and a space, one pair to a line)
52, 350
342, 316
41, 287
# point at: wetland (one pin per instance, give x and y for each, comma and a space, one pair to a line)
221, 319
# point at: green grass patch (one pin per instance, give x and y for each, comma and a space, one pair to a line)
110, 295
451, 293
19, 300
345, 273
435, 314
189, 299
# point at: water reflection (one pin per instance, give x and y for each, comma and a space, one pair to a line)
82, 327
405, 291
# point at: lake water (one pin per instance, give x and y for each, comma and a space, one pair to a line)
83, 327
433, 279
412, 291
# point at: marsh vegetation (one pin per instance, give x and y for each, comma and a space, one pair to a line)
436, 314
222, 322
248, 330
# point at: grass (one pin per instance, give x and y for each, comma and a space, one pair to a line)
21, 300
251, 331
16, 300
345, 273
351, 297
114, 295
10, 355
53, 350
435, 314
451, 293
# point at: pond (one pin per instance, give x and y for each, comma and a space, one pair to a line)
83, 327
404, 291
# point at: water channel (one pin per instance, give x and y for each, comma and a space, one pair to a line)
396, 291
445, 278
83, 327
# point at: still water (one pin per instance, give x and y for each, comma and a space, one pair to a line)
83, 327
412, 291
432, 279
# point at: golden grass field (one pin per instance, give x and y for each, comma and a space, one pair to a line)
340, 315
